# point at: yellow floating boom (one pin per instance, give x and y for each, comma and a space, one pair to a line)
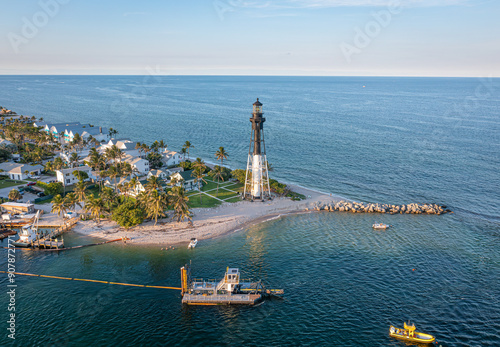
95, 281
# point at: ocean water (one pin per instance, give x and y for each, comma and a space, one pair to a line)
394, 140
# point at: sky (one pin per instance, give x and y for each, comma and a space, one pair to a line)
237, 37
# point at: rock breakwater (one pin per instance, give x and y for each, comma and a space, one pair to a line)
360, 207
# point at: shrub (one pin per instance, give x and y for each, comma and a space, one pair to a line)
128, 214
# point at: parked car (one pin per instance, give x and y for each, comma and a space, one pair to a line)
40, 194
31, 183
35, 177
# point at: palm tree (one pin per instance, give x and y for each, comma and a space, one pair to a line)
94, 206
162, 145
179, 200
138, 146
219, 174
221, 154
71, 201
187, 145
183, 152
59, 205
79, 191
14, 195
108, 197
198, 174
156, 204
113, 173
132, 184
58, 163
112, 132
154, 183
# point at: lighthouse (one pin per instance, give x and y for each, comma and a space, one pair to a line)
257, 176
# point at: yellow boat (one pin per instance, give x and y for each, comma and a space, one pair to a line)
409, 334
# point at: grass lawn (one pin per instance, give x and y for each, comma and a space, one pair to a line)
223, 194
10, 183
94, 191
194, 201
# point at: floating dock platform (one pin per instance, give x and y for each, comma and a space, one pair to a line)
231, 290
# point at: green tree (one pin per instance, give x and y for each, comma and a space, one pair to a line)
14, 195
113, 173
155, 160
219, 175
108, 197
73, 159
186, 165
188, 145
198, 174
94, 206
156, 204
71, 201
179, 202
59, 206
240, 175
221, 154
128, 214
81, 175
80, 189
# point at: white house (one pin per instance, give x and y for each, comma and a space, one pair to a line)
17, 171
126, 145
185, 179
66, 177
139, 164
171, 158
57, 129
98, 133
160, 173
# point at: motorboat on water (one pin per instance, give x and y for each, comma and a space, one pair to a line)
380, 226
193, 243
408, 333
28, 233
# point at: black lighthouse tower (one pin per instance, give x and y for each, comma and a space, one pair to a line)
257, 175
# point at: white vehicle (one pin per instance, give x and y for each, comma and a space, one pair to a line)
69, 215
193, 243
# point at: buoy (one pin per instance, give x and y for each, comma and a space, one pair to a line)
413, 270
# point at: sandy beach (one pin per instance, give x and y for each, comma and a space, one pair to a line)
207, 222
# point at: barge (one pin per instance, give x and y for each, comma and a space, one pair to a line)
231, 290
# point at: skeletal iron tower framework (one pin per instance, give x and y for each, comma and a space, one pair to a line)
257, 175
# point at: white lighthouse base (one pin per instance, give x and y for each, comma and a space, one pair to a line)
257, 178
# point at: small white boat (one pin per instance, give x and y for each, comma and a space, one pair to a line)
380, 226
193, 243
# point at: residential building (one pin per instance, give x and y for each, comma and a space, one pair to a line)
171, 158
139, 165
160, 173
66, 177
126, 145
185, 179
18, 171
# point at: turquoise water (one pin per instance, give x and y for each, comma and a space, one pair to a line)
396, 140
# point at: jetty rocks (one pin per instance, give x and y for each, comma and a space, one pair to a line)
360, 207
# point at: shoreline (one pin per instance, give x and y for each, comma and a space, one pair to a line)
208, 223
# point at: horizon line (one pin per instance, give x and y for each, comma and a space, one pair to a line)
258, 75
